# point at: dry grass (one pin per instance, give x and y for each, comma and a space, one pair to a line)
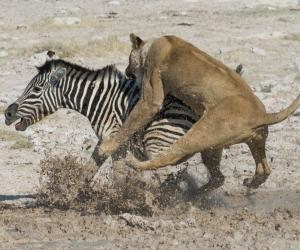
52, 23
19, 141
65, 49
69, 49
21, 144
2, 109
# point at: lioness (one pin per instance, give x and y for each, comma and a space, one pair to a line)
232, 113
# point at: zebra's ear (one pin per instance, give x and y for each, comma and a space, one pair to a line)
50, 54
136, 41
57, 75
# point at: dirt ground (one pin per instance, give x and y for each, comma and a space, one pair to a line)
263, 35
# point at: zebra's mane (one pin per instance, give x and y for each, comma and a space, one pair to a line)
46, 67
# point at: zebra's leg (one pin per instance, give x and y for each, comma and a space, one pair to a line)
211, 159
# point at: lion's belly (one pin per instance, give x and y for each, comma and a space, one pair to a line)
191, 97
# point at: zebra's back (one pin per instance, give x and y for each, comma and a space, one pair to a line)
171, 123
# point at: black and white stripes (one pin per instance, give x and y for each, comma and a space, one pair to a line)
105, 97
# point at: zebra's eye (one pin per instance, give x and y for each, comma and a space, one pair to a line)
36, 89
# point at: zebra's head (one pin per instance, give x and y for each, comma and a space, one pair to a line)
39, 98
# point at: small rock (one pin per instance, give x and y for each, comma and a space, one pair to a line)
174, 242
297, 113
87, 143
297, 62
207, 236
109, 220
266, 86
190, 221
243, 151
165, 225
22, 27
258, 51
112, 14
237, 236
180, 225
163, 17
4, 36
97, 38
114, 3
185, 24
3, 53
67, 20
136, 221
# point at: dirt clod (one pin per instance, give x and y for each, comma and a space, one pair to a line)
64, 184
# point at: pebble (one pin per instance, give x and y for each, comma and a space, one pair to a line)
258, 51
67, 20
22, 27
190, 221
3, 53
297, 62
175, 242
237, 236
114, 3
207, 236
4, 100
266, 86
136, 221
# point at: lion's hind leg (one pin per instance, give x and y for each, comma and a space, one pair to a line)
228, 122
257, 145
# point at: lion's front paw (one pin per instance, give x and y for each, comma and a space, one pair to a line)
133, 162
108, 147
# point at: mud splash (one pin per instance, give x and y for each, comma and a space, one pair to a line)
64, 185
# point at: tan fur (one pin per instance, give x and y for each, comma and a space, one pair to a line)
232, 113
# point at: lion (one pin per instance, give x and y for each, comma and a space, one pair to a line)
230, 112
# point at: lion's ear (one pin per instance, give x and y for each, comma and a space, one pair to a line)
136, 41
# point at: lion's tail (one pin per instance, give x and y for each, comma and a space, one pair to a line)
273, 118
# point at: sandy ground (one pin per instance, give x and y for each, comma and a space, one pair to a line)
263, 35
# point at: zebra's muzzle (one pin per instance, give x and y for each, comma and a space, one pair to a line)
21, 125
11, 116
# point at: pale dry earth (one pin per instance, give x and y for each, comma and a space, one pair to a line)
263, 35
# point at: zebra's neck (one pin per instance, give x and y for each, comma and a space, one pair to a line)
104, 96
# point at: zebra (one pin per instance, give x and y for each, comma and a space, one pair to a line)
106, 97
